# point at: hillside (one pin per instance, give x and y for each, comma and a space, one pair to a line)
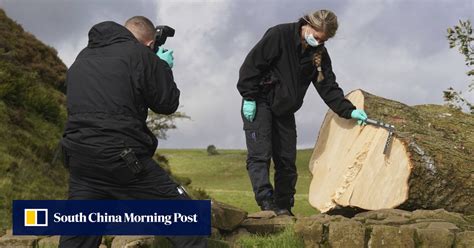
32, 115
225, 178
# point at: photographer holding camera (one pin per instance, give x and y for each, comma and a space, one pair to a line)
107, 145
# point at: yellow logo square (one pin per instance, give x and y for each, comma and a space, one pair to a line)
30, 217
36, 217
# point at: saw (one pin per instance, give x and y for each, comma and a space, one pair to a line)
388, 127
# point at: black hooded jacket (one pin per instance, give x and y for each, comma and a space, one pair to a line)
280, 54
110, 87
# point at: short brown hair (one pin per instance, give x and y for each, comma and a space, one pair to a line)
141, 27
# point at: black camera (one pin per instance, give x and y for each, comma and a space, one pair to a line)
162, 32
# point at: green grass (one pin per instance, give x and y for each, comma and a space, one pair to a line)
285, 239
25, 155
224, 177
32, 115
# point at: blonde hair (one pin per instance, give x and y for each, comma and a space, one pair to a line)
323, 21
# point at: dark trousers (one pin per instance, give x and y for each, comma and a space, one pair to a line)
271, 137
93, 181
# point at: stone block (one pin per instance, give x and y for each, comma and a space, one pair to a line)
310, 230
434, 238
266, 226
389, 236
133, 241
464, 240
346, 234
19, 241
226, 217
49, 242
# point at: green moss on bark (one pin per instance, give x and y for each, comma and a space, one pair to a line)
440, 141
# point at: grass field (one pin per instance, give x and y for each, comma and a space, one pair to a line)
224, 176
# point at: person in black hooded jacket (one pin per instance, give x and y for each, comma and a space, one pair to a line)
273, 81
110, 87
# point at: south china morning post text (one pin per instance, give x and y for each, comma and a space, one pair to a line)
112, 217
97, 217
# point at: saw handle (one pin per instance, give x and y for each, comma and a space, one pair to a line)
380, 124
389, 128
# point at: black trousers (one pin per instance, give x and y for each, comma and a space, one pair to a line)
271, 137
93, 181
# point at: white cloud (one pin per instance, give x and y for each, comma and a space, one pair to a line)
206, 78
68, 51
395, 49
406, 70
367, 53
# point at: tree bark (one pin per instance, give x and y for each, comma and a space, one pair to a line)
430, 164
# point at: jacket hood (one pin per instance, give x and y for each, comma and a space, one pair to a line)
106, 33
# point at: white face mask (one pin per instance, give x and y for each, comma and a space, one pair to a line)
311, 40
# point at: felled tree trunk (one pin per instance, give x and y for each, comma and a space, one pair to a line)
430, 164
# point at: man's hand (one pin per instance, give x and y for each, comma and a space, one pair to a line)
249, 109
166, 55
359, 115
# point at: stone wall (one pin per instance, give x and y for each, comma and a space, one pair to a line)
381, 228
372, 229
388, 228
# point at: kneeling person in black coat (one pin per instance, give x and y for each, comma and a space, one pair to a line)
108, 146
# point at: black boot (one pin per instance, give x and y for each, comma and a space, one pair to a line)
283, 211
267, 205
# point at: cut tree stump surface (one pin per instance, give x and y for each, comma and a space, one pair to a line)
430, 163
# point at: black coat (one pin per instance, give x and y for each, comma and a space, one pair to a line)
280, 54
110, 87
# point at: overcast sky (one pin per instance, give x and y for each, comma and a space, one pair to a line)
394, 49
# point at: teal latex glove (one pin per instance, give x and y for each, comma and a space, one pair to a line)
166, 55
359, 115
249, 109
